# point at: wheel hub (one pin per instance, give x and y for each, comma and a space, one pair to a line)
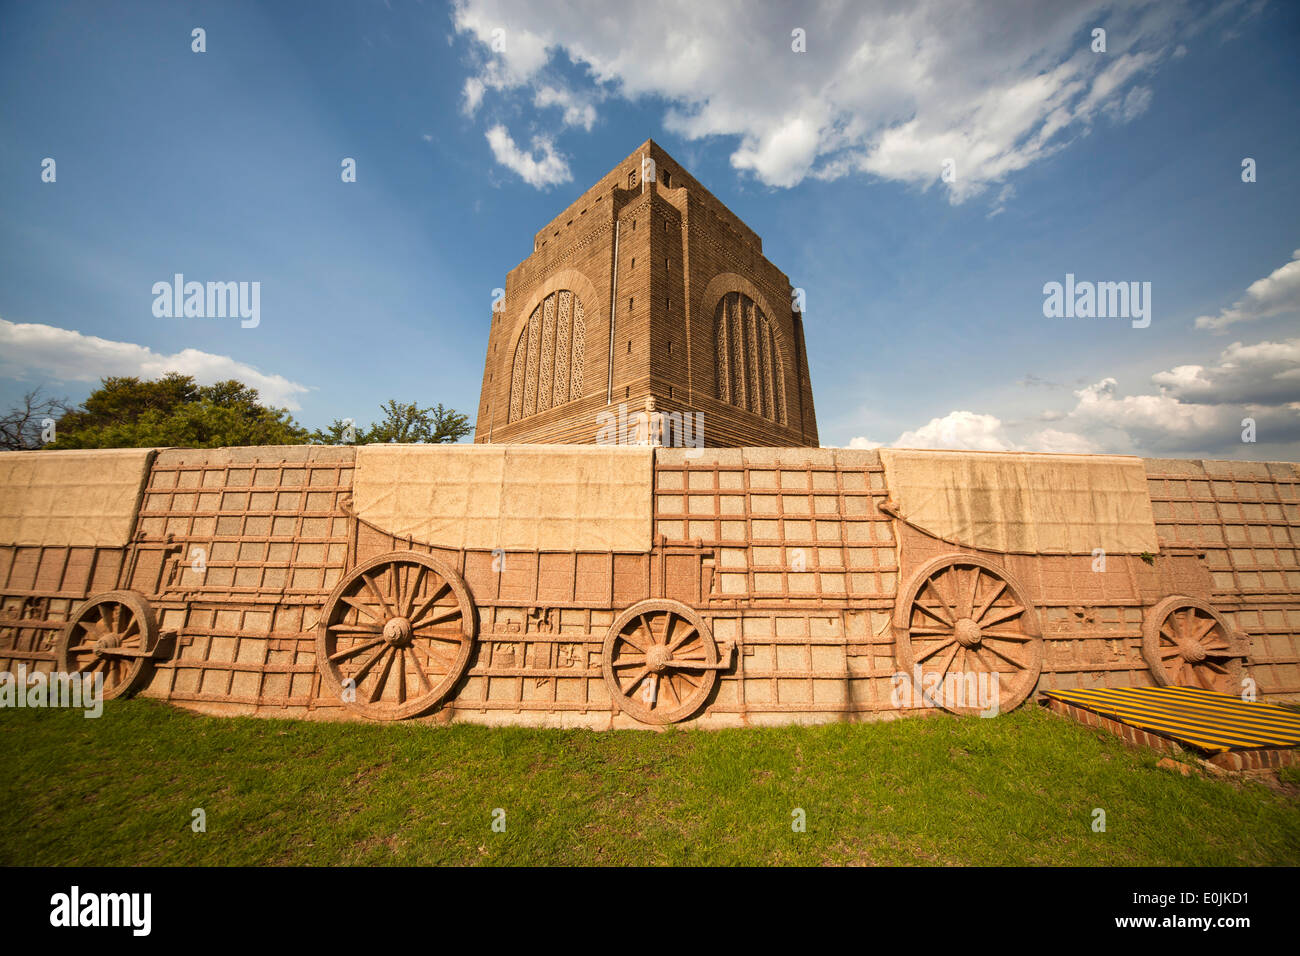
1193, 651
397, 632
967, 633
657, 658
106, 643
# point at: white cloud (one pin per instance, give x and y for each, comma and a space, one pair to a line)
1266, 373
890, 89
473, 95
1061, 443
578, 111
69, 356
541, 173
1196, 410
864, 443
969, 431
960, 430
1275, 294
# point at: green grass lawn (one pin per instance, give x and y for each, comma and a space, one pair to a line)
1018, 789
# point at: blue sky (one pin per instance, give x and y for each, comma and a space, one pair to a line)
924, 320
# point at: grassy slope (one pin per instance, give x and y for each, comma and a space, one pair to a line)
1019, 789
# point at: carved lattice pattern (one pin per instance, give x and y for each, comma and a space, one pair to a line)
547, 368
751, 371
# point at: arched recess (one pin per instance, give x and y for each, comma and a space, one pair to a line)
750, 367
550, 336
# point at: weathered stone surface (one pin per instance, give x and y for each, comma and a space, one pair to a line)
647, 288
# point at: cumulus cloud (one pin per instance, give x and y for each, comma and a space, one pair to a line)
1266, 373
69, 356
1277, 293
1194, 410
577, 110
959, 429
969, 431
541, 173
889, 89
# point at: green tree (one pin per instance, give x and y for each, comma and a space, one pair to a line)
125, 412
403, 422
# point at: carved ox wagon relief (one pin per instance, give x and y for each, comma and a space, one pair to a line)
597, 586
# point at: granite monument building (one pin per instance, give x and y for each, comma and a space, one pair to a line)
647, 287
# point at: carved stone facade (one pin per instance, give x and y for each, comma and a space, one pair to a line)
647, 287
548, 362
750, 362
627, 587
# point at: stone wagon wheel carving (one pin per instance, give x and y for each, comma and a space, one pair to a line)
113, 634
660, 661
400, 628
961, 620
1187, 643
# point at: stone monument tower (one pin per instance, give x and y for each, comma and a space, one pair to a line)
647, 287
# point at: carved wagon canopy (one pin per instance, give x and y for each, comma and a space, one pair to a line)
520, 497
71, 498
1018, 503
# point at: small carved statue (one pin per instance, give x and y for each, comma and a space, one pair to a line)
650, 425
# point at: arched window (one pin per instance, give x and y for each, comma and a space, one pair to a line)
751, 369
547, 370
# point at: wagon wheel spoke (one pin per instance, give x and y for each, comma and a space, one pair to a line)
1205, 629
1006, 657
948, 599
376, 689
355, 649
688, 678
934, 614
1004, 614
433, 661
943, 672
647, 630
433, 599
933, 586
365, 609
366, 665
375, 593
355, 629
666, 681
419, 673
628, 637
687, 634
447, 637
401, 673
689, 665
436, 619
993, 595
934, 650
968, 601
